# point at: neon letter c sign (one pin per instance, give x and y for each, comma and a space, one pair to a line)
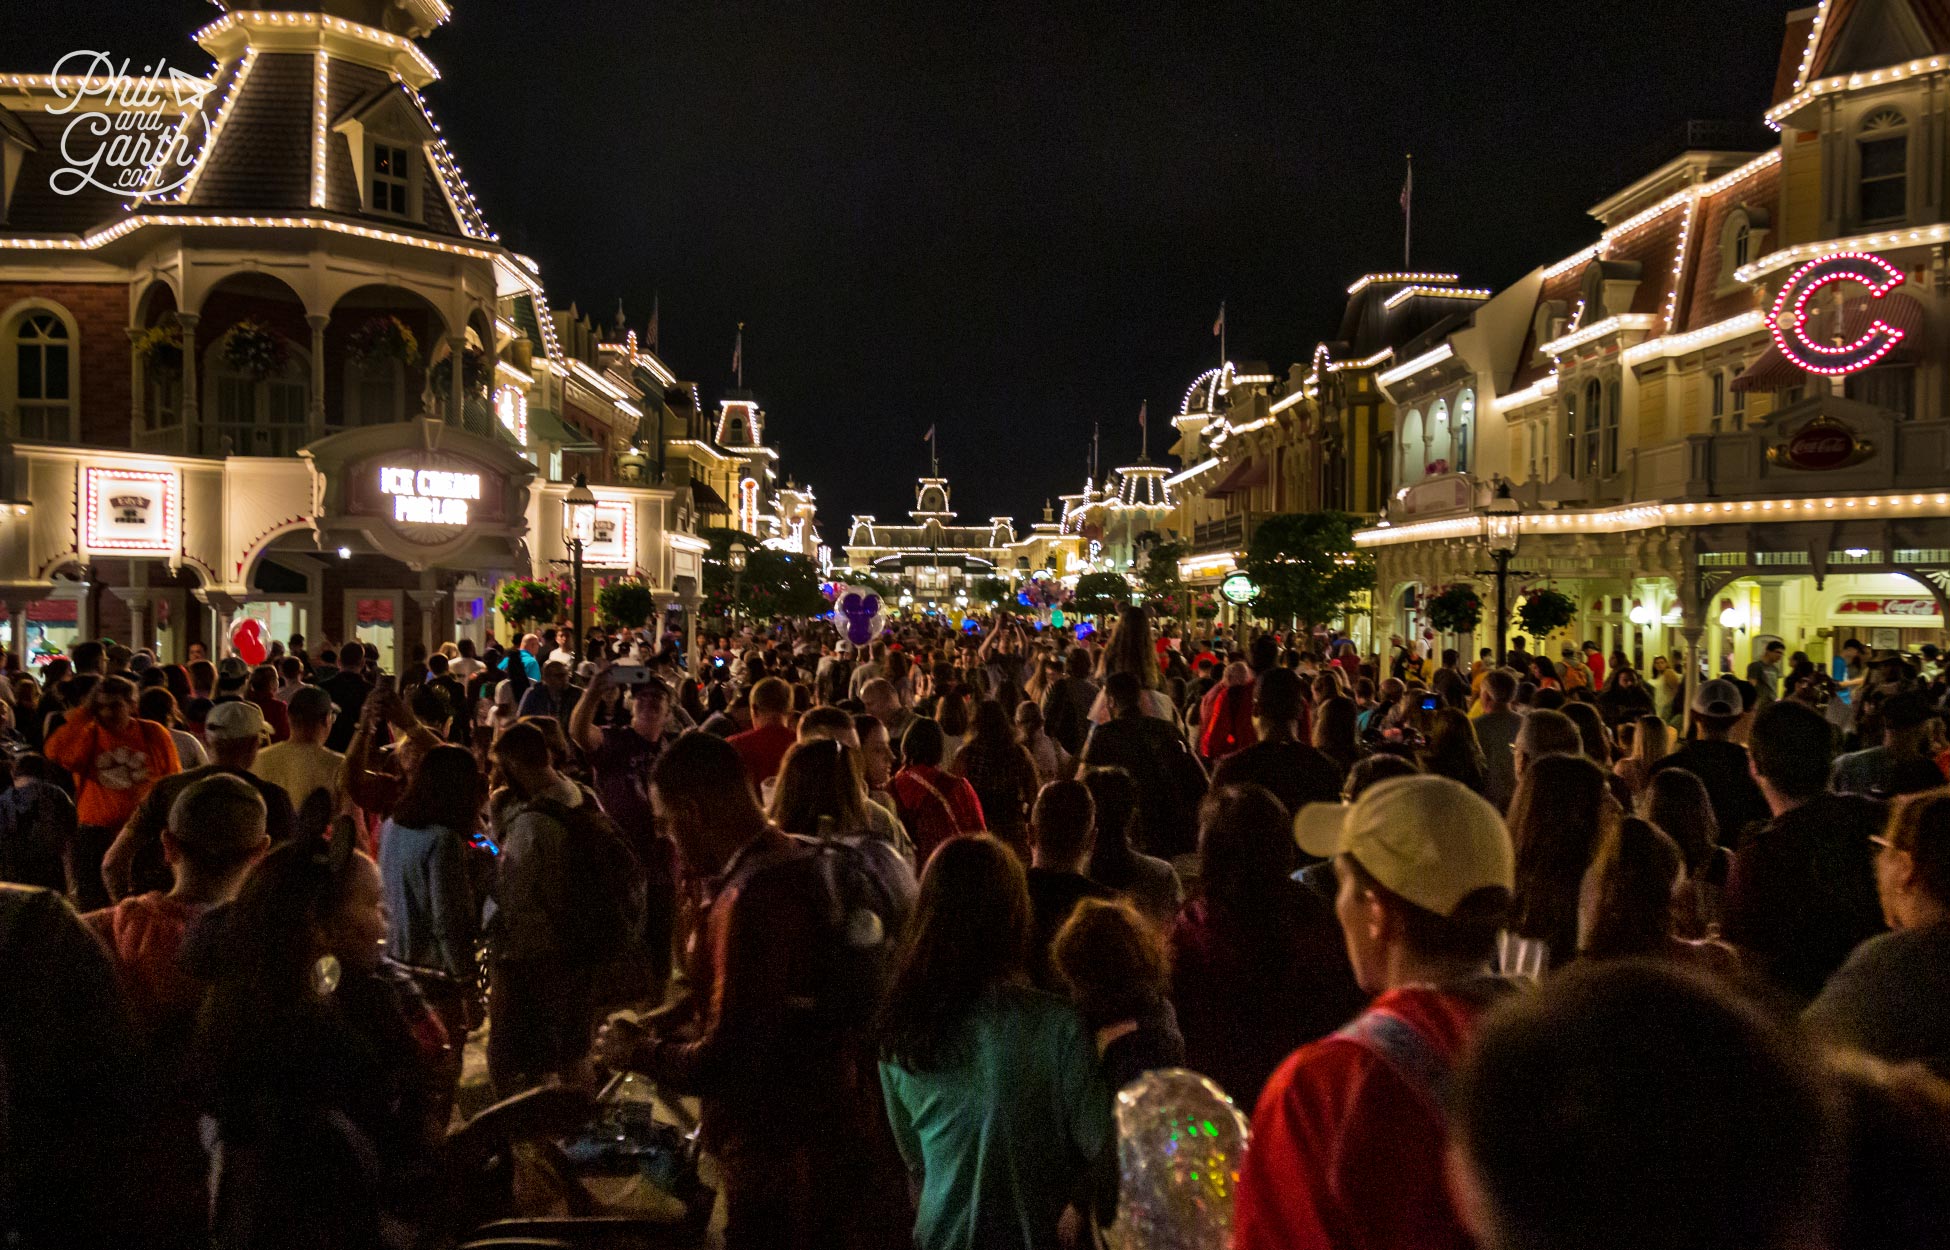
1790, 320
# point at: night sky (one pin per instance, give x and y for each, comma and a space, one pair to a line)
1016, 218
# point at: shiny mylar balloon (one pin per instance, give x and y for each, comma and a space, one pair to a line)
1179, 1145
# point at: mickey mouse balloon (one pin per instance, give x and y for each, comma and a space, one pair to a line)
859, 614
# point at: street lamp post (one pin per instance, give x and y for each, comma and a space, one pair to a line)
582, 515
1501, 527
737, 558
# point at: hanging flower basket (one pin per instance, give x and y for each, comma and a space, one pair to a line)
524, 601
1544, 612
254, 350
1456, 610
625, 604
160, 347
381, 340
1205, 607
473, 374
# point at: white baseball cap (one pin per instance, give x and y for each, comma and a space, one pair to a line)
233, 720
1430, 839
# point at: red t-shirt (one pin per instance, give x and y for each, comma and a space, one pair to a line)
763, 750
1346, 1153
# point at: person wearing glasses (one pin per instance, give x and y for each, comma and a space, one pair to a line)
1892, 997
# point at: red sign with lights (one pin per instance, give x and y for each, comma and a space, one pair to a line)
1886, 607
1790, 319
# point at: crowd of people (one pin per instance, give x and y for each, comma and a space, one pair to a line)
1523, 956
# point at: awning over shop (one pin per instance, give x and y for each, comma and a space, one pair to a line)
1243, 476
545, 427
708, 500
1775, 372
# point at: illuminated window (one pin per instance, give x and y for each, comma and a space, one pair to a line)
387, 184
1438, 432
43, 358
1883, 183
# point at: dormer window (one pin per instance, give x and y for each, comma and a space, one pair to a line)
1883, 183
386, 184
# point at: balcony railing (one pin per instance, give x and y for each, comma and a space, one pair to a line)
1229, 533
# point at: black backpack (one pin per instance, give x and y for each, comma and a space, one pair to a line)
608, 889
867, 895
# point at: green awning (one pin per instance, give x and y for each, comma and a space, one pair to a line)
545, 426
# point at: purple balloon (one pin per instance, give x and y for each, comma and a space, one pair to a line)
859, 611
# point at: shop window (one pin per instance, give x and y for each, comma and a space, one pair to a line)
42, 353
1883, 181
1463, 429
1888, 386
388, 179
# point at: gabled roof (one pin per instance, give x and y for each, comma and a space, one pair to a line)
1850, 36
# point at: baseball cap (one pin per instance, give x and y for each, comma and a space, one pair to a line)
229, 722
233, 667
1430, 839
1718, 697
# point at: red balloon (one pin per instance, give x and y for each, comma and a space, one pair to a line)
247, 640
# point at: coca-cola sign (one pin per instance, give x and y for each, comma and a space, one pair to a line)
1823, 443
1886, 607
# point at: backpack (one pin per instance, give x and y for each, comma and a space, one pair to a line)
867, 895
608, 889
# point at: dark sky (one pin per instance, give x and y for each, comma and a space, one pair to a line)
1013, 219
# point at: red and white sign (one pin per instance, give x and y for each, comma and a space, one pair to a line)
130, 510
1886, 607
609, 542
1790, 319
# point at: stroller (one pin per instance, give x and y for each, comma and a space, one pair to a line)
621, 1178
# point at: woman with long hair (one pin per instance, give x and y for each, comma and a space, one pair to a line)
1002, 772
1624, 698
157, 704
1676, 801
1150, 883
821, 781
1259, 966
1133, 649
953, 711
1651, 742
316, 1058
1452, 749
1561, 811
992, 1087
1628, 899
1118, 972
1335, 732
433, 916
1668, 684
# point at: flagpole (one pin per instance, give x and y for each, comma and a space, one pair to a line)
1408, 211
1144, 432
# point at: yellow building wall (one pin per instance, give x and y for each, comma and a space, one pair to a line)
1800, 191
1652, 410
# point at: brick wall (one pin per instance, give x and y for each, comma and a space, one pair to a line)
100, 311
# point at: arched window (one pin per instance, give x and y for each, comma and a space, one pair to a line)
1612, 408
1593, 413
1412, 448
1439, 432
1882, 185
260, 416
40, 348
1462, 429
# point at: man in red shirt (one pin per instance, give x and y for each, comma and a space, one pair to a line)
764, 745
1349, 1136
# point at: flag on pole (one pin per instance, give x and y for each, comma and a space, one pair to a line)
1219, 325
1408, 186
929, 436
738, 355
1144, 412
656, 302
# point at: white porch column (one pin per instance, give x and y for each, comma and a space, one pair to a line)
1692, 632
192, 414
223, 609
315, 417
136, 595
429, 600
456, 414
